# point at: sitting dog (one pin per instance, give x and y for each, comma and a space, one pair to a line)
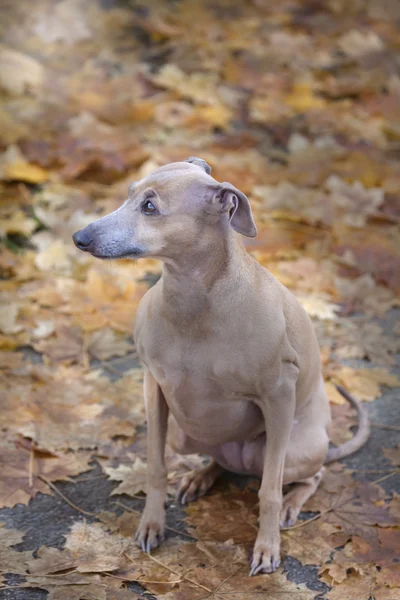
231, 361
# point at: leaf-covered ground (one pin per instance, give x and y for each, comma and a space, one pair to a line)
298, 104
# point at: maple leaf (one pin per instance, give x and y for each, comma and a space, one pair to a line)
24, 473
362, 383
57, 572
19, 72
133, 477
94, 550
12, 561
102, 409
393, 455
106, 343
225, 514
188, 571
125, 524
352, 507
8, 317
360, 586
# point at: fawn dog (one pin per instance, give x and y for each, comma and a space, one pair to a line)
231, 361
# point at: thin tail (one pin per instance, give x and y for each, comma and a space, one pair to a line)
361, 435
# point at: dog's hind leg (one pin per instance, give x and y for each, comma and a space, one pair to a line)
198, 482
298, 495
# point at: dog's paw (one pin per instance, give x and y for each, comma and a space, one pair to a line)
266, 559
150, 534
195, 484
288, 516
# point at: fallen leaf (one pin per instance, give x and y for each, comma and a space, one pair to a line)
217, 515
125, 524
105, 343
362, 383
393, 455
133, 477
8, 318
209, 568
22, 472
20, 73
12, 561
357, 43
94, 550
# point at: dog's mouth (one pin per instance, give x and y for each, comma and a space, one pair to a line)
86, 241
131, 254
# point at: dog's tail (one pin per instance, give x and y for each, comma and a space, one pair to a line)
361, 435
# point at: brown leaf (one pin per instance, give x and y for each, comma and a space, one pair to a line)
12, 561
393, 455
21, 472
94, 550
358, 586
362, 383
20, 73
102, 409
106, 343
224, 514
210, 568
133, 477
125, 524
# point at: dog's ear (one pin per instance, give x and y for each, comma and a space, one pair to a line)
228, 199
200, 163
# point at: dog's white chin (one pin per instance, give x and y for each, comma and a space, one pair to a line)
132, 255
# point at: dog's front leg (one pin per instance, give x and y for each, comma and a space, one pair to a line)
278, 410
151, 528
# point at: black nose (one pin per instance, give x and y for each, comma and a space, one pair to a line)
82, 239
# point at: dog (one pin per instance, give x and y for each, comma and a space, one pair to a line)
231, 361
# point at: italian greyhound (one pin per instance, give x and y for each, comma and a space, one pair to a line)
231, 361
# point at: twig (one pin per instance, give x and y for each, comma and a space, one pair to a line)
314, 518
387, 476
174, 572
371, 470
31, 462
383, 426
67, 500
139, 580
111, 369
63, 574
114, 361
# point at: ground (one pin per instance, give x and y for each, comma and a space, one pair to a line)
295, 103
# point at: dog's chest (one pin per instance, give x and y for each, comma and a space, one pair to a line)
204, 389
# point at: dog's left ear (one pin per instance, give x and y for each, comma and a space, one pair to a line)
199, 162
228, 199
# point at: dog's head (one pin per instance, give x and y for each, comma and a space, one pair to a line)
167, 213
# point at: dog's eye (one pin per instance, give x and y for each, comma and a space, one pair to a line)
148, 208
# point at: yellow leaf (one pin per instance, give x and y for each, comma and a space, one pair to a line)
333, 395
23, 171
363, 383
18, 223
302, 98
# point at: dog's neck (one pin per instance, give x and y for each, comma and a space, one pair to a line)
191, 280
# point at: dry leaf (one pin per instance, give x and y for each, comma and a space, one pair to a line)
20, 73
106, 343
133, 477
362, 383
224, 515
94, 550
12, 561
393, 455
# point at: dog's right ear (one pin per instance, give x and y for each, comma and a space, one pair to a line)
199, 162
